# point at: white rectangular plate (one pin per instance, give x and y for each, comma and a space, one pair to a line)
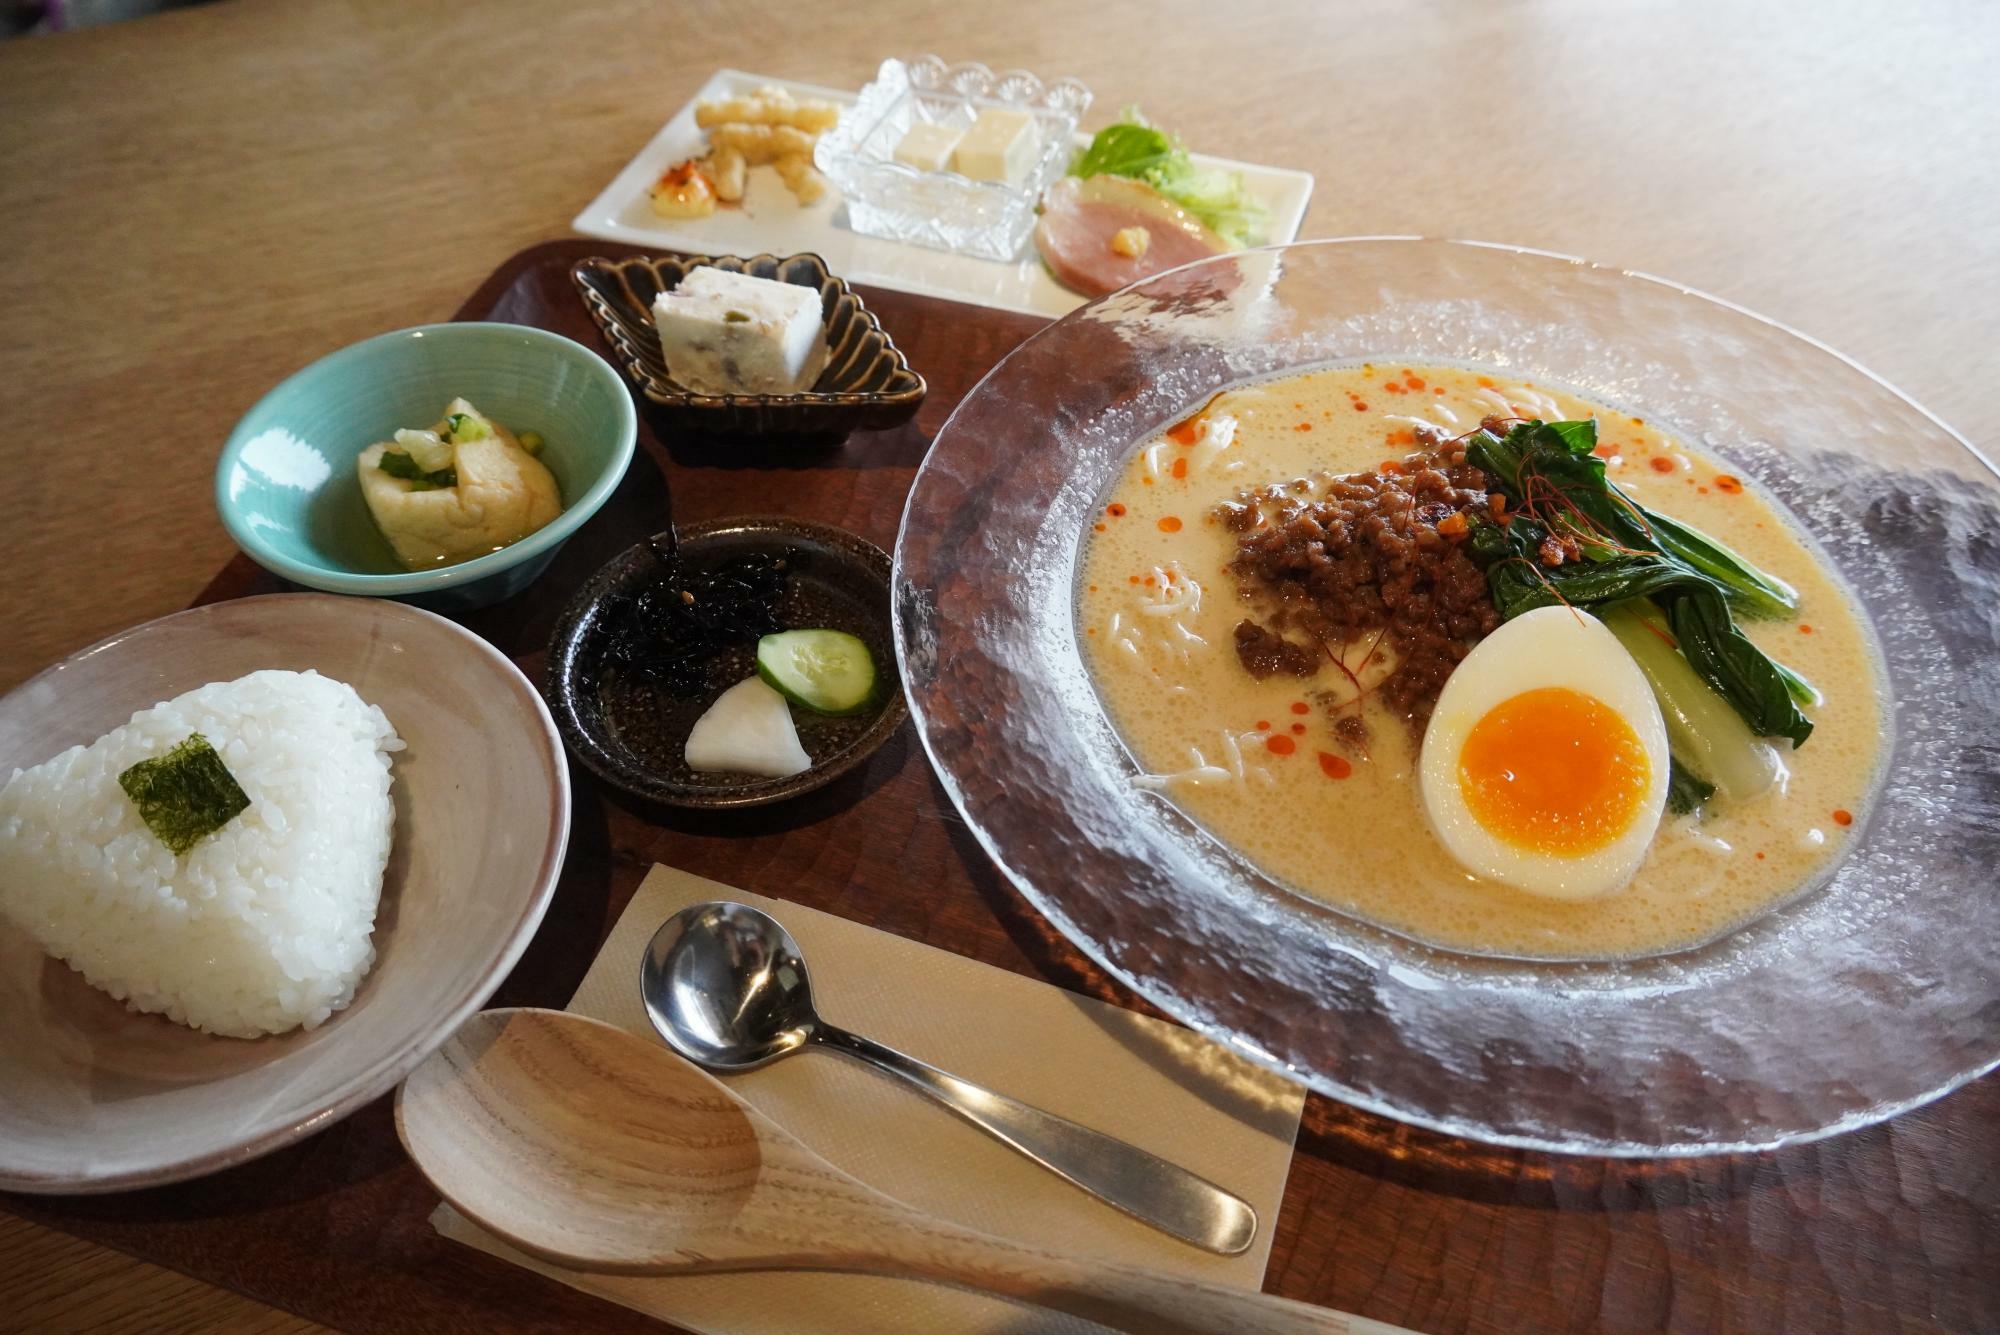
771, 221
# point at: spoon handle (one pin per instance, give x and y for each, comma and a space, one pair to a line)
1150, 1303
1143, 1185
889, 1238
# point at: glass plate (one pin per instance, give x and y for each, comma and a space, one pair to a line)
1877, 992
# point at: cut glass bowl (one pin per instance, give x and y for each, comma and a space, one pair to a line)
943, 210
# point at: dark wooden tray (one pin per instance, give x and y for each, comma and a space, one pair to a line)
1891, 1227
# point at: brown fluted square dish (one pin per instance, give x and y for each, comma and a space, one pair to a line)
866, 384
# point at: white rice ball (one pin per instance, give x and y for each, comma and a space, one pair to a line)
260, 927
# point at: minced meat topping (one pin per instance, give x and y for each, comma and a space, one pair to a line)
1337, 559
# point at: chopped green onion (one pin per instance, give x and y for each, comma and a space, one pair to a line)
398, 464
185, 795
461, 426
531, 441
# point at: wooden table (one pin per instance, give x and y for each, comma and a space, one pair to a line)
194, 205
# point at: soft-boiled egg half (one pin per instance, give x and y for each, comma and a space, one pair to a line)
1545, 763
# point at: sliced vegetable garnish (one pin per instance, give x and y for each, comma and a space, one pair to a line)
185, 795
748, 730
826, 671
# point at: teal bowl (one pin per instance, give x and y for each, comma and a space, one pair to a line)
286, 484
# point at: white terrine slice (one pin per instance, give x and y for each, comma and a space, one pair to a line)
723, 332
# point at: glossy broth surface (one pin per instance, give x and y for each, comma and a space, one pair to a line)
1256, 763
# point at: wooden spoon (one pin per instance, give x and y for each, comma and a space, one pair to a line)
600, 1150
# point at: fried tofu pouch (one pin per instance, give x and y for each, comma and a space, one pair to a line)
503, 494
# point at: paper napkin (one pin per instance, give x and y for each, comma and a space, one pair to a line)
1154, 1084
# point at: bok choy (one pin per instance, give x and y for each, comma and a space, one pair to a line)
1671, 593
1709, 740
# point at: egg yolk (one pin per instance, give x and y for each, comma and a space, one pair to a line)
1554, 771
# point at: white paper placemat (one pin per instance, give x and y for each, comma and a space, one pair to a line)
1152, 1083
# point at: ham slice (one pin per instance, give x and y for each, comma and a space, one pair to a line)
1081, 217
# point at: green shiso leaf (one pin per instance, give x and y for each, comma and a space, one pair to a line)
185, 795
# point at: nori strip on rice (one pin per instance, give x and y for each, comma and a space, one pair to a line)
185, 795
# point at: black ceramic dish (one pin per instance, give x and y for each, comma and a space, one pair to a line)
632, 735
866, 384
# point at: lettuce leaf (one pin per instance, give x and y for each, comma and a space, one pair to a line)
1129, 148
1140, 150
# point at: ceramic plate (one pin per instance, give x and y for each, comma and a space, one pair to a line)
94, 1097
867, 383
286, 488
632, 737
771, 221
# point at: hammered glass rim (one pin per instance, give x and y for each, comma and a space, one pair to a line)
1463, 1101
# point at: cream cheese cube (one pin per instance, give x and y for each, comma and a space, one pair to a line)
729, 333
1000, 146
927, 146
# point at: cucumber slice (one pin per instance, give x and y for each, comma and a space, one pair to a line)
826, 671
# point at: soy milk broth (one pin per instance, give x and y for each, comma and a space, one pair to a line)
1258, 763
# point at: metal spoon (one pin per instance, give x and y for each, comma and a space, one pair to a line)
726, 987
